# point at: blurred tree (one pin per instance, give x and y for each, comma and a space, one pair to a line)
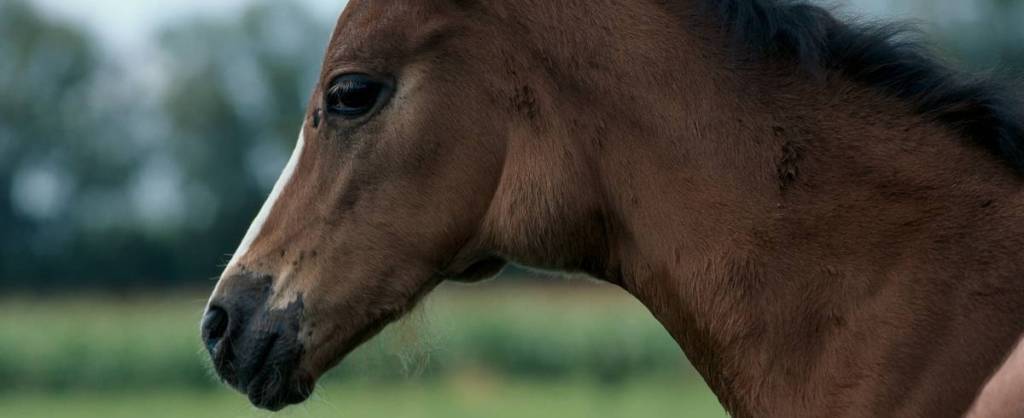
993, 41
146, 169
112, 179
235, 100
46, 124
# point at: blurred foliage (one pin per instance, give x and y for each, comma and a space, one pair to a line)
142, 170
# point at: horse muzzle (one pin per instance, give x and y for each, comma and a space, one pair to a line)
256, 349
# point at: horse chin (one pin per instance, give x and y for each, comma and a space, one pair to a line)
284, 378
273, 393
481, 270
325, 355
261, 356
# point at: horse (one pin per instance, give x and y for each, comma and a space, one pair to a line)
1001, 397
827, 218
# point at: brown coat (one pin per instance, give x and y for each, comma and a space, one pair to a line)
829, 223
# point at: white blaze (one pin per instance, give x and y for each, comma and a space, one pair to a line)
268, 206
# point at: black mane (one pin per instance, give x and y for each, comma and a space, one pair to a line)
885, 57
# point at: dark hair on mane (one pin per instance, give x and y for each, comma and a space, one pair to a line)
882, 56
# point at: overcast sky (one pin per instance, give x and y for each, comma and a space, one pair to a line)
127, 23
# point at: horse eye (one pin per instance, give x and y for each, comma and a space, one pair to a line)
353, 95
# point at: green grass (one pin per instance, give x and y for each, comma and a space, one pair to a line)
450, 400
490, 351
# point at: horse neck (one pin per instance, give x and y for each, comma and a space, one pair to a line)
816, 247
804, 257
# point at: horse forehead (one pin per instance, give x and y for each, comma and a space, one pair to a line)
374, 24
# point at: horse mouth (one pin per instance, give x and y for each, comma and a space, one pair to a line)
265, 365
266, 372
264, 357
260, 353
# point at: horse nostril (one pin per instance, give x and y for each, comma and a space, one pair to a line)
215, 325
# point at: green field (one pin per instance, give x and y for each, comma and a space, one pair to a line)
410, 400
580, 351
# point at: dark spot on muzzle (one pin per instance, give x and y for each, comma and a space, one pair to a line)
256, 349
